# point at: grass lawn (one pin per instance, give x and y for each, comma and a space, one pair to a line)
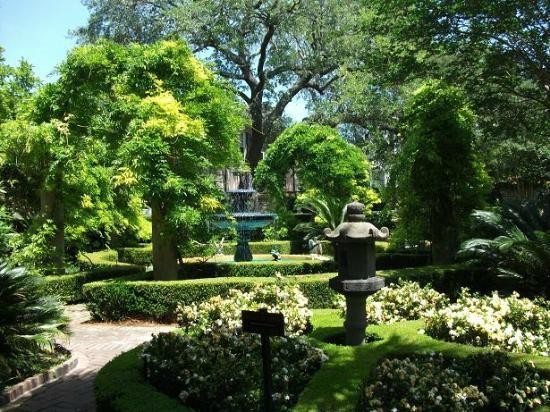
335, 387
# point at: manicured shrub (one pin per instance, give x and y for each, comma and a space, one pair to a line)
486, 381
215, 366
136, 255
225, 312
510, 323
116, 300
99, 265
158, 300
143, 255
255, 269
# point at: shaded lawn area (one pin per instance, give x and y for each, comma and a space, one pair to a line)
335, 387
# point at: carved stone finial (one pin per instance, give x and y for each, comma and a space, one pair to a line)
355, 212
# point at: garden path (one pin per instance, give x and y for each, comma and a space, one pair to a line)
94, 344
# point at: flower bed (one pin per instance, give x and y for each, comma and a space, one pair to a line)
213, 365
485, 381
510, 323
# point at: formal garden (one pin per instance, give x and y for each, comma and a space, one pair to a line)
156, 189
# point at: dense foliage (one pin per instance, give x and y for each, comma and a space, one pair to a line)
269, 50
325, 165
508, 323
512, 242
439, 179
214, 366
487, 381
29, 322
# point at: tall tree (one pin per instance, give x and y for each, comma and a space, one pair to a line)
271, 50
166, 122
438, 177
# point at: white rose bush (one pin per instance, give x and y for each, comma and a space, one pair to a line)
212, 365
509, 323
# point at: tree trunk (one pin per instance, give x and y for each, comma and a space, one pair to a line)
52, 208
444, 246
165, 256
254, 150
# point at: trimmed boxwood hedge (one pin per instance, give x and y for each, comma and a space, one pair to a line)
384, 260
120, 386
97, 266
116, 300
255, 269
142, 255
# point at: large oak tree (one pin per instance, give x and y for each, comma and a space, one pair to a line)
271, 50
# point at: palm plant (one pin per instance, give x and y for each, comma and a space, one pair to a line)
29, 322
516, 244
328, 212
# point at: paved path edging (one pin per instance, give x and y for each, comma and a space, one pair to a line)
32, 383
94, 344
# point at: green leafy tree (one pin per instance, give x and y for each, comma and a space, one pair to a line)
325, 165
166, 123
16, 87
438, 177
496, 51
271, 50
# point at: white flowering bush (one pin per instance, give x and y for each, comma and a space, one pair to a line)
225, 312
510, 323
213, 366
435, 383
402, 301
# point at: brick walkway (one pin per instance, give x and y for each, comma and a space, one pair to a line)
94, 344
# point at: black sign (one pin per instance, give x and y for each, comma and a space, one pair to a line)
266, 324
263, 322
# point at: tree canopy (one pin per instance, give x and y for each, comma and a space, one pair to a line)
271, 50
322, 161
439, 179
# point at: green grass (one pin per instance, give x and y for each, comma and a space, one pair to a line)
121, 386
336, 386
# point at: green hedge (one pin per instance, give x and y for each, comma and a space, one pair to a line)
137, 255
98, 266
120, 386
115, 300
253, 269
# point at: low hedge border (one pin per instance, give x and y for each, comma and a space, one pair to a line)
252, 269
143, 255
120, 386
97, 266
117, 300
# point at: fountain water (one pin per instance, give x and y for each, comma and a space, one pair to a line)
245, 209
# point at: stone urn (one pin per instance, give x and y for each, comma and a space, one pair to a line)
355, 252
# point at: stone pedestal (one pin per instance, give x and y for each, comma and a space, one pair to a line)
356, 255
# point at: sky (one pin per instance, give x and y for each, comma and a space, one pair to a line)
38, 31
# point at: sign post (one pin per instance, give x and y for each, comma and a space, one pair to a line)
266, 324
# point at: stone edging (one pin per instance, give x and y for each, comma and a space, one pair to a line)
14, 392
